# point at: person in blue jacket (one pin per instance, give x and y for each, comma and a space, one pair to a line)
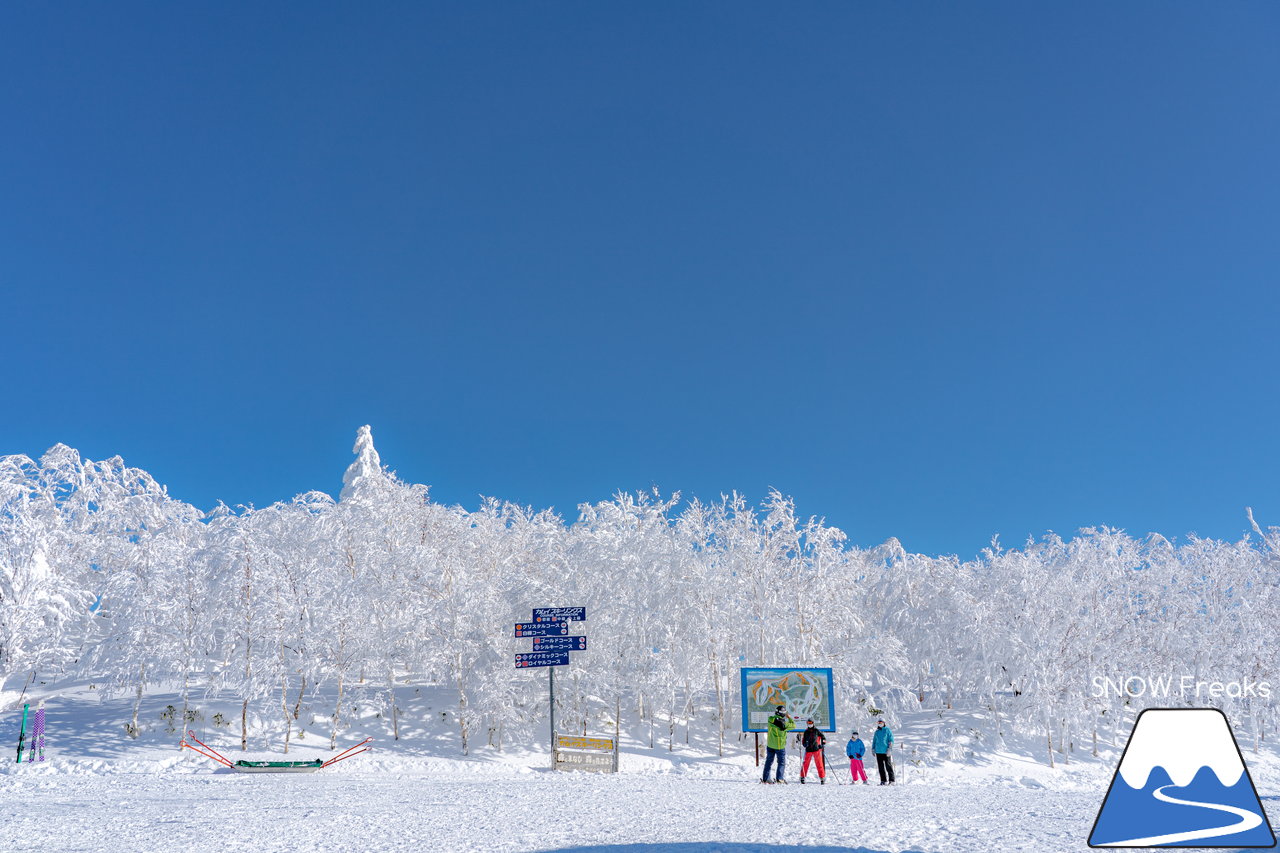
855, 749
880, 745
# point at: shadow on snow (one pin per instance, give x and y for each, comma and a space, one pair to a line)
714, 847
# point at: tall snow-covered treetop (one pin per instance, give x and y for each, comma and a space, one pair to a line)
364, 477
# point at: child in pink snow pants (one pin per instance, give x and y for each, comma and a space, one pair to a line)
855, 749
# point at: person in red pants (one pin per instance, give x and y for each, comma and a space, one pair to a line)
813, 741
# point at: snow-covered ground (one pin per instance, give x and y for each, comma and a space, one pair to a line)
157, 806
99, 790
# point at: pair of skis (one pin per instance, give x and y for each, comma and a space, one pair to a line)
37, 735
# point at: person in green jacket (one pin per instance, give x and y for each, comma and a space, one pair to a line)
779, 724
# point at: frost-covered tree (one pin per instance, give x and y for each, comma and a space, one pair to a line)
45, 572
308, 608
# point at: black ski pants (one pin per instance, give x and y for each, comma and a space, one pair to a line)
885, 765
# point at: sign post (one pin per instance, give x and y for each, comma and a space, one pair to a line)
552, 644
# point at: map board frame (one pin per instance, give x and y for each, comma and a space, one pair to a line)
807, 691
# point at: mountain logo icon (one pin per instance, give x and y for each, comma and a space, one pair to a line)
1182, 782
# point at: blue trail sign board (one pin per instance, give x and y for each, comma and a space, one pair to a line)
542, 659
559, 644
559, 614
541, 629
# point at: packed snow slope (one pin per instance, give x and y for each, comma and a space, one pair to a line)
101, 790
380, 807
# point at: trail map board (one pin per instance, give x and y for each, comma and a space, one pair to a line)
805, 691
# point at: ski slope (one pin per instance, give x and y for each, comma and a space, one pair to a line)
100, 790
441, 806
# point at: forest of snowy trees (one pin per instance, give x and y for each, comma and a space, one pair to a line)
105, 577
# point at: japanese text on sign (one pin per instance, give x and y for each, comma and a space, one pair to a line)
559, 614
559, 644
542, 659
571, 742
543, 629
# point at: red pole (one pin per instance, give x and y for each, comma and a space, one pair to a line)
212, 753
348, 753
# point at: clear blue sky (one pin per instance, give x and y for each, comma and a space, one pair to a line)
937, 270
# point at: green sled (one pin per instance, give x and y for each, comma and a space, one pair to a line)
278, 766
